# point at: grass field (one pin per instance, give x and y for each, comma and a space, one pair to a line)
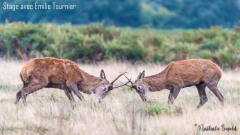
121, 112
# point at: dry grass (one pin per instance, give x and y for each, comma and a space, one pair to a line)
122, 111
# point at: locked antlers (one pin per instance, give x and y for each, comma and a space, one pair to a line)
129, 80
126, 84
123, 84
117, 79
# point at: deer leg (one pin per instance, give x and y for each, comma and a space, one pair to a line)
173, 94
213, 87
31, 87
28, 90
69, 95
18, 96
202, 94
74, 88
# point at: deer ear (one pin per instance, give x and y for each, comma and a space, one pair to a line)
102, 74
139, 76
142, 75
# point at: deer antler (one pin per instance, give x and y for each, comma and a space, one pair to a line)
121, 85
126, 84
128, 79
118, 77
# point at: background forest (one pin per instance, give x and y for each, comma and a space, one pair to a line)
134, 13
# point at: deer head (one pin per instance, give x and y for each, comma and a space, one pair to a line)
104, 87
139, 85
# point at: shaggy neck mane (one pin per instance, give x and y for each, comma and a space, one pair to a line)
89, 83
157, 82
90, 80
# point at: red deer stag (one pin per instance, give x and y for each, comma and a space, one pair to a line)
50, 72
181, 74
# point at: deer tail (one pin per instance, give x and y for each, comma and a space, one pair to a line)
24, 76
219, 70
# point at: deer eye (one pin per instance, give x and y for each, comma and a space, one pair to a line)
138, 88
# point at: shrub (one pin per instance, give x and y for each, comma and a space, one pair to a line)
95, 42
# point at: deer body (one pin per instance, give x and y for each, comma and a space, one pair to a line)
62, 74
181, 74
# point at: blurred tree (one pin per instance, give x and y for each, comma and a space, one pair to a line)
202, 14
133, 13
117, 12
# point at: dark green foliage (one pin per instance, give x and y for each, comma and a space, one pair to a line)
202, 14
95, 42
134, 13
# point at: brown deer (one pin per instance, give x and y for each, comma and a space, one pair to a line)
50, 72
181, 74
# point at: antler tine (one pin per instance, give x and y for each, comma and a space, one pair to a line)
118, 77
126, 84
128, 79
122, 85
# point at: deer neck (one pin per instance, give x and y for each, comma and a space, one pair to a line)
156, 82
89, 83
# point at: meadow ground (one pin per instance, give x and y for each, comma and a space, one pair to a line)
122, 112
